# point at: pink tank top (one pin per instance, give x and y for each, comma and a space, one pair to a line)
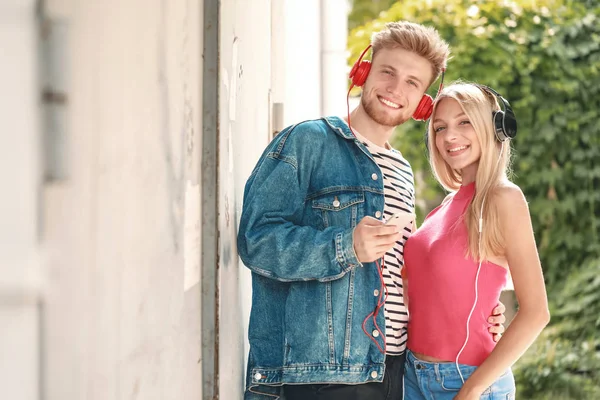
441, 287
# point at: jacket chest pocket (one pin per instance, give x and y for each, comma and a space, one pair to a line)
343, 209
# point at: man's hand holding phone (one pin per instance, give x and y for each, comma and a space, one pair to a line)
372, 238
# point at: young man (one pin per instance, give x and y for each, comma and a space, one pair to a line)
313, 233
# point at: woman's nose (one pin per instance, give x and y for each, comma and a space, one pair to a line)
450, 135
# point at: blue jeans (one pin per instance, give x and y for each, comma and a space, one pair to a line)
440, 381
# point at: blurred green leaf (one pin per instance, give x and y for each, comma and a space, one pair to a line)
546, 62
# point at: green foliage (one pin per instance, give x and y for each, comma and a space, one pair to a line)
559, 369
565, 362
544, 57
576, 310
364, 11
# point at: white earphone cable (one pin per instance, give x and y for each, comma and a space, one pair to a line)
476, 277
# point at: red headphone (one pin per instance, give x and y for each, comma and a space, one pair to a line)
359, 74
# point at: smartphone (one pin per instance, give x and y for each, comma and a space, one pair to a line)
402, 220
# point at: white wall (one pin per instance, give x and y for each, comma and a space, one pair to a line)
245, 103
334, 66
122, 231
19, 217
315, 58
303, 80
118, 231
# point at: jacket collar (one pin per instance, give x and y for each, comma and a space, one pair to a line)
340, 127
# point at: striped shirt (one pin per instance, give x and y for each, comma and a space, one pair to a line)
399, 194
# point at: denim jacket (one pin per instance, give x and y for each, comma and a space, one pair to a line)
310, 294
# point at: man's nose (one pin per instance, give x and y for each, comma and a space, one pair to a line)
394, 87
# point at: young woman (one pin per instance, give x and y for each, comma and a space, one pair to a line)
459, 260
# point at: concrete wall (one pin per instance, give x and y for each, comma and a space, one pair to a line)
122, 305
101, 285
250, 45
20, 174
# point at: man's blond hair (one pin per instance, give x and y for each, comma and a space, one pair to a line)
419, 39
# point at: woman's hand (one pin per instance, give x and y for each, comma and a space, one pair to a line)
497, 319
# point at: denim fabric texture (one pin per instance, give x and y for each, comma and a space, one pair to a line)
389, 389
440, 381
310, 294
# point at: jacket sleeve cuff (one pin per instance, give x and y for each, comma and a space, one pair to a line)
344, 249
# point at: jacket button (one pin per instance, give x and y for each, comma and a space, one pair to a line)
375, 292
257, 376
336, 203
374, 374
375, 333
374, 176
378, 214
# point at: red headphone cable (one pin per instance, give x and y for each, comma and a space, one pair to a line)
383, 294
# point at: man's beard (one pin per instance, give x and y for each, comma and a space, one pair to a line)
379, 116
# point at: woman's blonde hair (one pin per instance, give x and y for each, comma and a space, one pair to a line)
419, 39
494, 166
